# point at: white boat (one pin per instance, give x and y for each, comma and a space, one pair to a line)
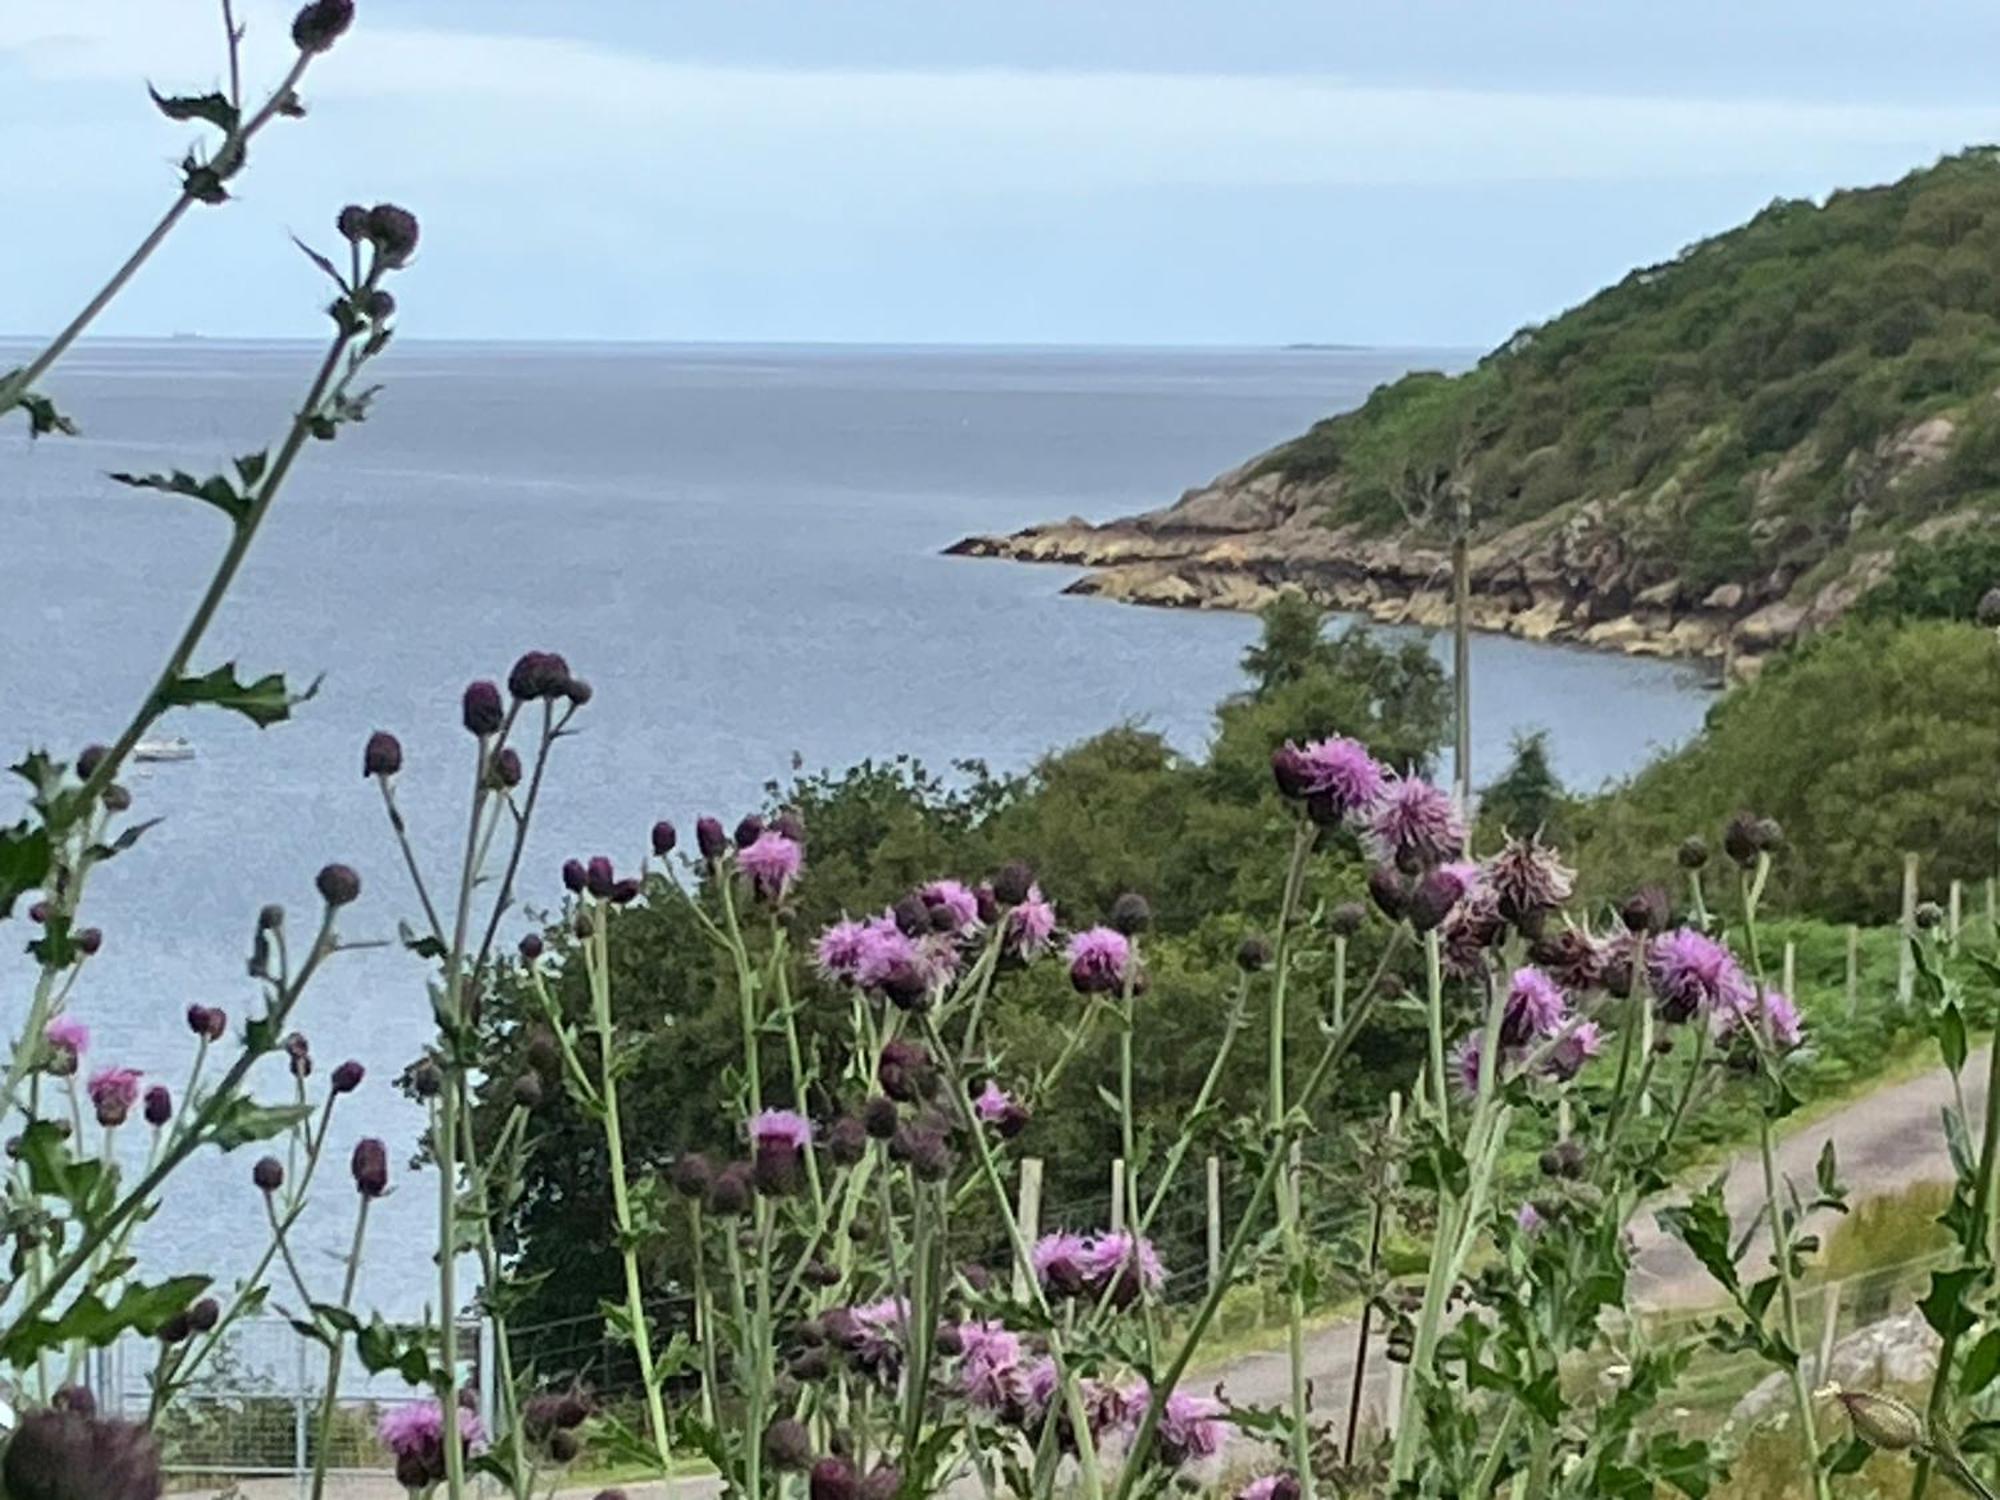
176, 748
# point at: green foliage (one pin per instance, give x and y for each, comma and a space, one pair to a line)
1527, 796
1863, 744
1945, 580
1814, 330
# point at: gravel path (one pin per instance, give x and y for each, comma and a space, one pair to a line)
1885, 1141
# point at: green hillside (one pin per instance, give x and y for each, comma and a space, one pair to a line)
1751, 409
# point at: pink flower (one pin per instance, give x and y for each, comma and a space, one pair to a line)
872, 1335
1271, 1487
1031, 925
1693, 974
1124, 1264
1573, 1049
1783, 1027
772, 862
1528, 1219
954, 897
1465, 1064
1098, 960
414, 1433
113, 1092
782, 1127
839, 951
990, 1373
1472, 929
1000, 1109
1535, 1007
1342, 773
1528, 878
1192, 1428
1061, 1262
67, 1034
1415, 825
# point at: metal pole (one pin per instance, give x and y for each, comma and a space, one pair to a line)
1461, 644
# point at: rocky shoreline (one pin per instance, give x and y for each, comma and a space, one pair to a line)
1570, 577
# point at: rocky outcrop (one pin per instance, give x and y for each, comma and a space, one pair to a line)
1581, 574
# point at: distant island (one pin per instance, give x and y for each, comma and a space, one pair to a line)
1711, 458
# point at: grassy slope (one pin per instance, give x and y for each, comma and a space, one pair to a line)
1804, 338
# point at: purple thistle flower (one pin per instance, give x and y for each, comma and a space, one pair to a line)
1124, 1264
414, 1433
1471, 931
1192, 1428
992, 1103
1528, 1219
1572, 958
990, 1372
783, 1128
1573, 1049
1465, 1064
772, 862
838, 953
1098, 959
1693, 974
68, 1038
113, 1092
1031, 925
1529, 879
1271, 1487
1342, 773
1535, 1007
1784, 1028
1415, 825
1061, 1262
1439, 893
872, 1336
958, 900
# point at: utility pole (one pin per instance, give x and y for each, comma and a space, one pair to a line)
1461, 644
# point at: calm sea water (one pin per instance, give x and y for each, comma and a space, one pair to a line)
739, 546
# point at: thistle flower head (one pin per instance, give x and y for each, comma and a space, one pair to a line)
992, 1102
1571, 957
1061, 1262
781, 1128
1883, 1421
1528, 1219
1439, 892
1415, 825
383, 754
1342, 772
1782, 1027
68, 1038
414, 1433
113, 1092
1031, 925
1192, 1428
1123, 1264
837, 955
772, 861
1465, 1059
1535, 1007
1098, 959
1271, 1487
1573, 1049
957, 901
1471, 931
71, 1454
1692, 974
1528, 879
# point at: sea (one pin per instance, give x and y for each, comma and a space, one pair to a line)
740, 547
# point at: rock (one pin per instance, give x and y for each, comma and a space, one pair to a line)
1724, 596
1773, 625
1661, 595
1899, 1351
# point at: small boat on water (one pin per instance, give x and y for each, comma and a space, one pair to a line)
177, 748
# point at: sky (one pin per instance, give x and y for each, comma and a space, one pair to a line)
1181, 172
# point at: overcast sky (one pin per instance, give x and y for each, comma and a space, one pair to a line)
1042, 171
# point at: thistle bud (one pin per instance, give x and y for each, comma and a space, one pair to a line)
1693, 852
528, 1091
1739, 839
599, 878
503, 772
539, 674
89, 940
1253, 954
268, 1174
66, 1454
117, 799
1646, 910
1988, 612
664, 838
833, 1479
338, 885
426, 1082
204, 1315
729, 1193
691, 1174
319, 25
1883, 1421
878, 1117
159, 1105
482, 711
710, 839
88, 759
370, 1165
531, 946
787, 1444
749, 831
383, 755
1346, 919
578, 691
1929, 915
1012, 882
393, 229
209, 1022
1131, 914
353, 223
913, 916
846, 1141
1389, 891
574, 876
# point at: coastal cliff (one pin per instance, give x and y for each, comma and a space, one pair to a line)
1712, 458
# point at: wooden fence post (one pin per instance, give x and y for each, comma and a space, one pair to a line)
1117, 1194
1214, 1223
1906, 961
1828, 1333
1790, 983
1853, 970
1029, 1214
1954, 914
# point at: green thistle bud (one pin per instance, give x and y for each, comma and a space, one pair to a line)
1883, 1421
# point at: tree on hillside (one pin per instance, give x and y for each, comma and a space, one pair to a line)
1527, 796
1290, 645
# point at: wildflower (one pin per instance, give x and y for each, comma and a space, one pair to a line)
691, 1174
352, 222
772, 862
1013, 883
958, 904
383, 755
1098, 960
729, 1193
748, 831
338, 885
1271, 1487
70, 1454
538, 674
1192, 1428
503, 772
1131, 914
600, 877
1571, 957
394, 231
710, 839
1883, 1421
1693, 974
1693, 852
1573, 1049
1528, 1219
779, 1139
787, 1444
1646, 910
1435, 896
664, 839
926, 1151
1415, 825
879, 1118
847, 1141
833, 1479
1783, 1028
574, 877
1001, 1110
871, 1336
1473, 928
1061, 1262
1031, 925
906, 1071
321, 23
414, 1434
1535, 1007
159, 1106
113, 1092
268, 1174
370, 1166
1529, 879
1252, 954
1123, 1264
481, 710
68, 1039
1389, 891
1337, 772
990, 1373
530, 946
207, 1022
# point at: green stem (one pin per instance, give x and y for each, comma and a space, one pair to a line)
329, 1402
1287, 1181
1781, 1247
1440, 1089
